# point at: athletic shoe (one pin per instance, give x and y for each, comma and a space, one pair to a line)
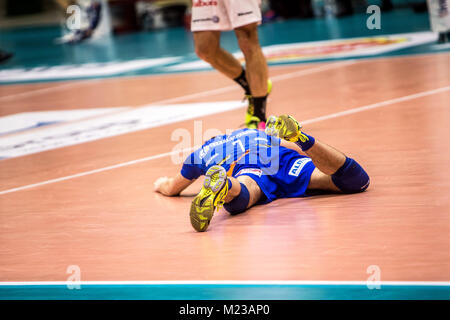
75, 36
212, 195
285, 127
252, 121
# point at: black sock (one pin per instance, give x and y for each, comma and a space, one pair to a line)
242, 81
260, 107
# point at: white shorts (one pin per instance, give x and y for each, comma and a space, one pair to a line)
209, 15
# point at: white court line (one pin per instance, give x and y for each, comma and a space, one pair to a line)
280, 77
197, 95
86, 173
377, 105
227, 282
44, 90
161, 155
328, 65
88, 81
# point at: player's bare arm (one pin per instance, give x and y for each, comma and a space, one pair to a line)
172, 186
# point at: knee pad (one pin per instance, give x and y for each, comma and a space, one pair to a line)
351, 177
238, 204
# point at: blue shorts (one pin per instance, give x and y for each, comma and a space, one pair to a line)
290, 180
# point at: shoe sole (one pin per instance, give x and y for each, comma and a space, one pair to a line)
291, 128
205, 203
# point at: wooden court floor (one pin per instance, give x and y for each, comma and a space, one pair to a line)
390, 114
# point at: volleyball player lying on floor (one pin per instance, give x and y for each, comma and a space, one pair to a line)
249, 167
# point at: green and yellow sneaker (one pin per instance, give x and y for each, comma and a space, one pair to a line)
252, 121
212, 195
285, 127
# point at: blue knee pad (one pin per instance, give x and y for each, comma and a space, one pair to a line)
351, 177
238, 204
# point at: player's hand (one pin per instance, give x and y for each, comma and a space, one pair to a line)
160, 183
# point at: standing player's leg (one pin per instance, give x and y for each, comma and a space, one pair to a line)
208, 20
207, 48
242, 16
334, 170
257, 74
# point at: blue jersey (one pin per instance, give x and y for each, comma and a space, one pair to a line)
279, 172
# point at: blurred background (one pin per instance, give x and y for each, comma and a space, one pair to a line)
139, 15
37, 33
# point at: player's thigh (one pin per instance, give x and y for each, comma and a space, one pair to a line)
253, 189
321, 181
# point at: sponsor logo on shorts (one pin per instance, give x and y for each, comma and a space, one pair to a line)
214, 19
254, 171
201, 20
298, 166
244, 13
201, 3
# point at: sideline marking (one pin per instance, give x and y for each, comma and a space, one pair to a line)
278, 66
195, 95
82, 174
189, 96
161, 155
226, 282
377, 105
44, 90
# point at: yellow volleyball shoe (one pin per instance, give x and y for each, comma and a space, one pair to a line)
252, 121
285, 127
210, 198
